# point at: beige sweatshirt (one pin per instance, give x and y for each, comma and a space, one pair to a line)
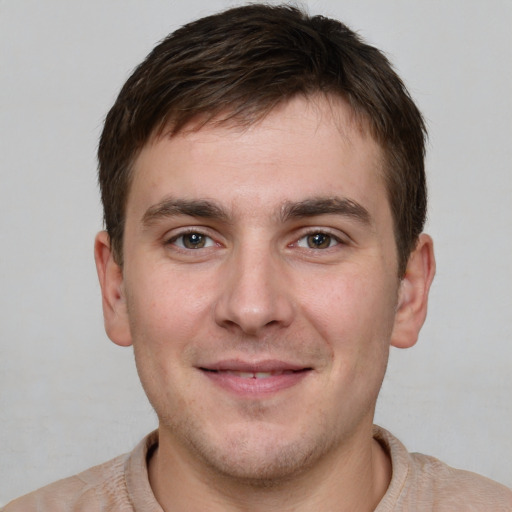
419, 483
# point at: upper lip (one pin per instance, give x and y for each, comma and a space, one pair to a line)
264, 366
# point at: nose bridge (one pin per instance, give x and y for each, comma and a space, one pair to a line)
254, 295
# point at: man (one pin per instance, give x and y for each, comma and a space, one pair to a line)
264, 194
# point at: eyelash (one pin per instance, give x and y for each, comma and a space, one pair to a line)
326, 233
183, 234
210, 242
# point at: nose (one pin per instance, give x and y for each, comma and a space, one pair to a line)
255, 293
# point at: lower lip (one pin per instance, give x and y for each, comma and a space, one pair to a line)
251, 387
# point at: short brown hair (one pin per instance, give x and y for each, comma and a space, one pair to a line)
238, 65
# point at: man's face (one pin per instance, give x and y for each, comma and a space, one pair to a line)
260, 282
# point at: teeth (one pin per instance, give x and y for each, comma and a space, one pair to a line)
253, 375
262, 375
243, 375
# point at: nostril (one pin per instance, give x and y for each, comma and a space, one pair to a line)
252, 297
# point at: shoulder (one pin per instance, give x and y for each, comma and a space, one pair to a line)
457, 488
92, 490
119, 485
421, 482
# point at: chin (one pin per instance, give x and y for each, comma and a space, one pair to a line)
265, 465
256, 455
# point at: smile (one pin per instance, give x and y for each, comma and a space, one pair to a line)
255, 375
252, 382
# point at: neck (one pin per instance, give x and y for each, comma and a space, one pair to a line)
352, 478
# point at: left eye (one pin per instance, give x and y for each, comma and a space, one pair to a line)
317, 241
193, 240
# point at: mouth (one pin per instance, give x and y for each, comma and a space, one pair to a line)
249, 379
256, 374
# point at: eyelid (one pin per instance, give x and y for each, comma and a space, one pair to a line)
340, 237
333, 242
176, 234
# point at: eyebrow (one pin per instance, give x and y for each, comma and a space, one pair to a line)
170, 207
325, 206
206, 209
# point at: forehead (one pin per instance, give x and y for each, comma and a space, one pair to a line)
302, 148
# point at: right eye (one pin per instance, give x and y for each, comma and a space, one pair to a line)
317, 240
192, 240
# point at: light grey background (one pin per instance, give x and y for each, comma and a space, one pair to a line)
70, 399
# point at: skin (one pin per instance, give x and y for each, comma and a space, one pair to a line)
264, 249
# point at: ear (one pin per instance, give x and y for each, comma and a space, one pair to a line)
110, 274
413, 294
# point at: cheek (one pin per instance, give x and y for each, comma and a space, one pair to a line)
352, 304
354, 316
166, 306
162, 324
166, 313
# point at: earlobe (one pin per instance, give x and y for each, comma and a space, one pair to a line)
413, 293
110, 276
